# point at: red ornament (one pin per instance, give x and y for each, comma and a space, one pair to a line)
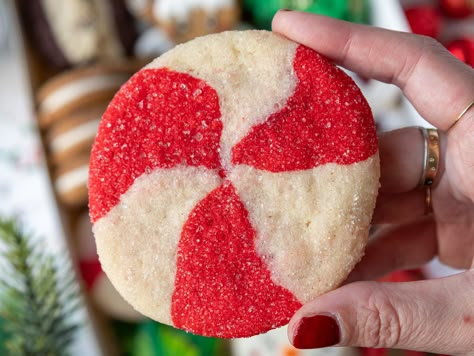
90, 271
457, 8
424, 20
463, 48
408, 275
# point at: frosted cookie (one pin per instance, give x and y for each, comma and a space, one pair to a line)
77, 32
184, 20
232, 180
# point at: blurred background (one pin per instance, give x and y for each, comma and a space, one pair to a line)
61, 61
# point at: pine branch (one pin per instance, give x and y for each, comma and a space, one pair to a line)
36, 299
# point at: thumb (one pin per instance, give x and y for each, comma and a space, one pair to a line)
433, 316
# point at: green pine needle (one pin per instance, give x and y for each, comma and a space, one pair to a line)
36, 298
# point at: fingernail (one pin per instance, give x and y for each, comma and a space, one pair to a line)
316, 331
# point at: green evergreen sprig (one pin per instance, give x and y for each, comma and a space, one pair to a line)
37, 296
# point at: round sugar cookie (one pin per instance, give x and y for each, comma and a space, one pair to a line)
232, 180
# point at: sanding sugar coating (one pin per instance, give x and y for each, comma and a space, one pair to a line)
232, 180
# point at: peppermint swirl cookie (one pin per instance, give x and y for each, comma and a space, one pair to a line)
232, 180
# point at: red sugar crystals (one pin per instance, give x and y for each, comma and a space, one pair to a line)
324, 121
223, 288
159, 119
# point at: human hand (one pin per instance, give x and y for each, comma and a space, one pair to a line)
433, 315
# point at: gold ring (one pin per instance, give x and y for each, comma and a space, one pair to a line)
431, 156
461, 115
428, 206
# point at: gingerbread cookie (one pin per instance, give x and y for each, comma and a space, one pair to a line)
184, 20
232, 180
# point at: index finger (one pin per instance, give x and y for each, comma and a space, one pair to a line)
437, 83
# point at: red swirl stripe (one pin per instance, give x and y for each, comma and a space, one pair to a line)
159, 119
326, 120
222, 287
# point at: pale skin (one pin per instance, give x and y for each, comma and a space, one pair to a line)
434, 315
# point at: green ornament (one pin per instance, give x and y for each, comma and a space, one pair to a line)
348, 10
331, 8
150, 338
262, 12
359, 11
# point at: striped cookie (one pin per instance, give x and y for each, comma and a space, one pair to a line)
77, 88
70, 181
74, 134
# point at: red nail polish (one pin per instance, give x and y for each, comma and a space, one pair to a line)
316, 331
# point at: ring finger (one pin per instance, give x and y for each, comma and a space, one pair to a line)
402, 160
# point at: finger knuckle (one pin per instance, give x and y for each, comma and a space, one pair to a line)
431, 49
426, 47
429, 44
380, 322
